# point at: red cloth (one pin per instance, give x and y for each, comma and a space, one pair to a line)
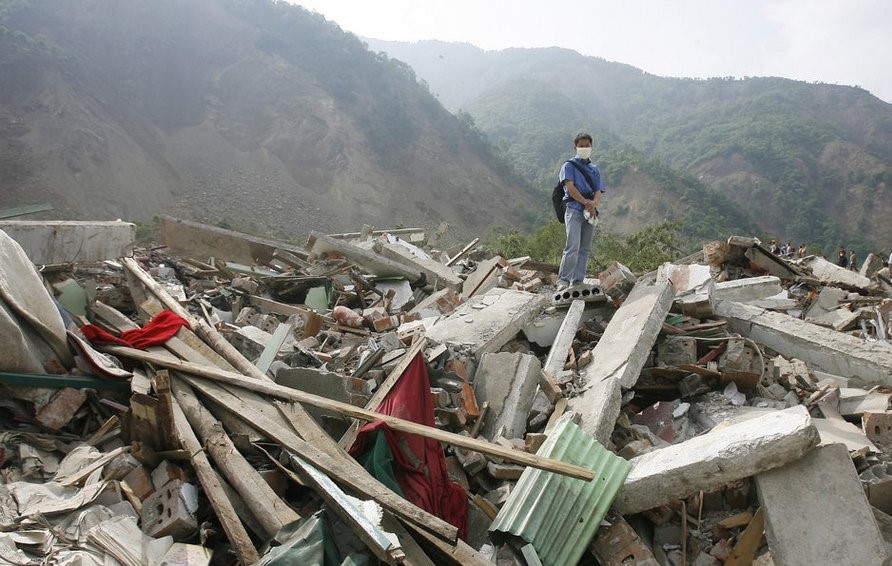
159, 330
422, 474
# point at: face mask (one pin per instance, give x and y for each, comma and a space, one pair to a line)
583, 152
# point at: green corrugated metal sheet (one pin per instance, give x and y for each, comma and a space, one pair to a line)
559, 515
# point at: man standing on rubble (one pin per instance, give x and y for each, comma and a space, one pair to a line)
583, 189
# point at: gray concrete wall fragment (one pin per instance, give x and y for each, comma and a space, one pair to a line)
816, 512
55, 241
508, 382
827, 350
831, 274
718, 457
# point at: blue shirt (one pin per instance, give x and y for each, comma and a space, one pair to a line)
569, 172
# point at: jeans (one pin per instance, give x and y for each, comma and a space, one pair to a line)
579, 245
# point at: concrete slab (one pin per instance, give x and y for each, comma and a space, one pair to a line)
620, 354
825, 349
716, 458
438, 275
747, 290
195, 239
485, 323
508, 382
56, 241
831, 274
816, 512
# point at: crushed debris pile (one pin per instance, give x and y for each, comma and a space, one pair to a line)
369, 398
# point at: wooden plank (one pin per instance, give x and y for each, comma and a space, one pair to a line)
345, 471
464, 250
264, 504
378, 397
235, 531
275, 390
749, 542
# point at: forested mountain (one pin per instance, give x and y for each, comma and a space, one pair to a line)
806, 162
250, 114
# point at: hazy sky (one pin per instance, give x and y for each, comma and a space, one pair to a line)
847, 42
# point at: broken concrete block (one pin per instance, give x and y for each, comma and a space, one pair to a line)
171, 511
504, 471
693, 286
508, 382
617, 281
589, 291
877, 482
61, 408
871, 265
839, 431
716, 458
487, 322
837, 527
557, 355
830, 351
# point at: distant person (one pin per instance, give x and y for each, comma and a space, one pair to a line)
583, 189
802, 250
783, 250
790, 250
853, 261
843, 259
773, 247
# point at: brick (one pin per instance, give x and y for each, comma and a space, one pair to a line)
61, 408
140, 482
170, 511
165, 473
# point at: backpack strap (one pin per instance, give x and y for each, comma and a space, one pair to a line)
584, 174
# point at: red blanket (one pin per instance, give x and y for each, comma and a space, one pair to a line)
159, 330
419, 463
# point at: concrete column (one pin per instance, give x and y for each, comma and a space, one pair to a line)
508, 382
716, 458
619, 356
826, 349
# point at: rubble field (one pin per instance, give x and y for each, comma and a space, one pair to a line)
379, 398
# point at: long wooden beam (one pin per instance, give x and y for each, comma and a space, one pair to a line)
274, 390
